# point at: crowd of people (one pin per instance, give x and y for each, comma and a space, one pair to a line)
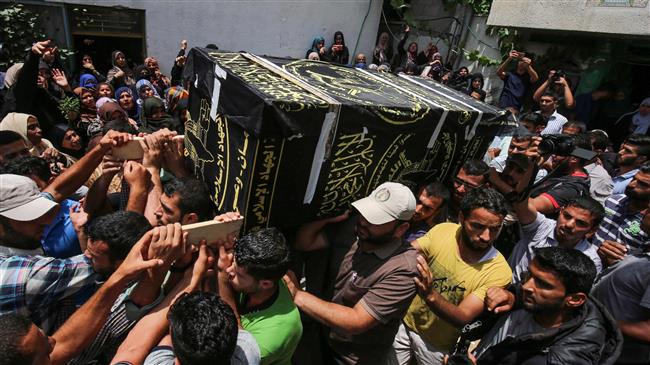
535, 254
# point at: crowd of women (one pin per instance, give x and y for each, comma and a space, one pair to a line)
427, 63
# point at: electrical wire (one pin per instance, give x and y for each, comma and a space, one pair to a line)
354, 54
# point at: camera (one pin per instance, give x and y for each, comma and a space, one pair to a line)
557, 75
556, 144
459, 355
562, 145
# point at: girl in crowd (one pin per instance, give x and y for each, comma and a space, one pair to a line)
127, 101
120, 75
145, 90
339, 51
318, 46
104, 89
383, 52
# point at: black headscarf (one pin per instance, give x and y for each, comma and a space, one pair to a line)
150, 124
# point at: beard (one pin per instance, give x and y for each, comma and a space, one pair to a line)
15, 239
471, 244
378, 240
535, 307
632, 194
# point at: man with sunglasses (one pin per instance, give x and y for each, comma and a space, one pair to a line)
472, 175
457, 265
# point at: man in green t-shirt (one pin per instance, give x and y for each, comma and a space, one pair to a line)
266, 308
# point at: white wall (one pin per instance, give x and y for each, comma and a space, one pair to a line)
272, 27
573, 15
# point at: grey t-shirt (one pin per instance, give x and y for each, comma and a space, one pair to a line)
517, 323
246, 353
625, 289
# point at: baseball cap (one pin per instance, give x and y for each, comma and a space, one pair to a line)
388, 202
21, 200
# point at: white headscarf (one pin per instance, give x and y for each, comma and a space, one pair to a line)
640, 122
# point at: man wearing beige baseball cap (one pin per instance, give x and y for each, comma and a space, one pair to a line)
374, 285
24, 214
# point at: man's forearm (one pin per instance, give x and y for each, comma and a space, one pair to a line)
533, 74
569, 102
137, 199
80, 329
96, 196
638, 330
71, 179
448, 311
153, 197
502, 67
338, 317
540, 91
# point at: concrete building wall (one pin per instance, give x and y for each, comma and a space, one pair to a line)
573, 15
283, 28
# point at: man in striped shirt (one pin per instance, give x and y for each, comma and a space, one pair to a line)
620, 233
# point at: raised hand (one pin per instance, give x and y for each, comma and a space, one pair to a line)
59, 78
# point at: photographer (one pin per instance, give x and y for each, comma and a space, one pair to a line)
516, 84
339, 51
568, 178
557, 82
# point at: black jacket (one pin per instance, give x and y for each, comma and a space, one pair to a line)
26, 97
591, 337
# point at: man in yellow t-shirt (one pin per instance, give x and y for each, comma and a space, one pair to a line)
457, 266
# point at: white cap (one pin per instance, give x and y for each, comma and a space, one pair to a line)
21, 200
390, 201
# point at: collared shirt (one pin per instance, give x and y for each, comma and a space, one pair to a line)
381, 281
555, 123
60, 238
541, 233
622, 181
621, 226
35, 286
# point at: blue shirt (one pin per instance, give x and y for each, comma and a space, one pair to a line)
59, 238
514, 89
621, 181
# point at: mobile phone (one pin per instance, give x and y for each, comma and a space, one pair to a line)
132, 150
211, 231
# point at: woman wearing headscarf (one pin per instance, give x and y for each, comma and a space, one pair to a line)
158, 80
407, 58
318, 46
88, 81
339, 51
87, 112
120, 75
461, 79
66, 140
127, 101
88, 68
177, 101
145, 90
475, 89
383, 52
27, 126
154, 117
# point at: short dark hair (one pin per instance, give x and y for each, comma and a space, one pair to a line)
7, 137
120, 230
263, 253
194, 196
26, 166
640, 141
13, 329
599, 139
576, 124
439, 190
582, 140
551, 94
476, 167
486, 198
591, 205
574, 269
203, 329
535, 118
